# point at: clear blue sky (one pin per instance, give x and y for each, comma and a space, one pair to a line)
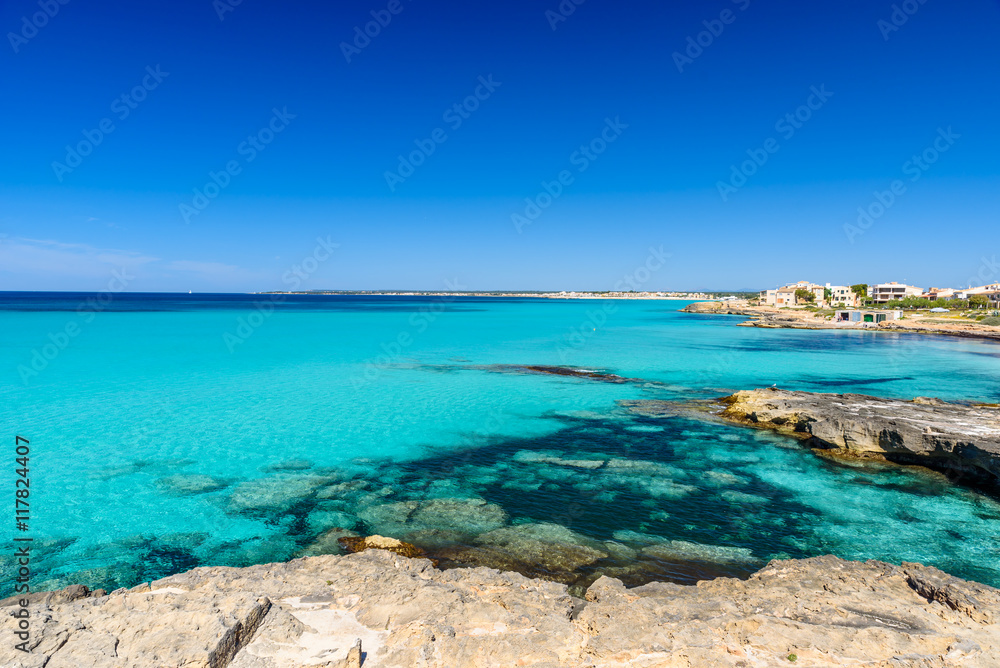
656, 184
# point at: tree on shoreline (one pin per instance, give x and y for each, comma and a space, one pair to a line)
861, 291
920, 303
978, 301
803, 295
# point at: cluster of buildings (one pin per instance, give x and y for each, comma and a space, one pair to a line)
834, 296
792, 295
693, 296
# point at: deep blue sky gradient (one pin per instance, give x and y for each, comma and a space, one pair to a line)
656, 185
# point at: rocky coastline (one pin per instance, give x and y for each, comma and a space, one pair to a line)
963, 439
768, 317
378, 609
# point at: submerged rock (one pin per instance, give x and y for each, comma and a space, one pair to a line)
825, 611
343, 489
468, 515
288, 465
153, 466
256, 550
522, 485
669, 549
636, 537
187, 540
682, 550
723, 478
954, 437
195, 483
620, 552
388, 518
642, 467
321, 520
273, 495
402, 518
108, 577
742, 498
437, 539
654, 486
444, 489
327, 542
532, 457
544, 547
572, 372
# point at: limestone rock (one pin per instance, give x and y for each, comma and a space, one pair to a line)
405, 613
354, 544
954, 437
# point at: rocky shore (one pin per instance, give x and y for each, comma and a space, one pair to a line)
959, 438
768, 317
378, 609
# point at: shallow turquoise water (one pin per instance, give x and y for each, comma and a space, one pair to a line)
399, 400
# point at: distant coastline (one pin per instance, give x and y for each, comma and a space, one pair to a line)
674, 296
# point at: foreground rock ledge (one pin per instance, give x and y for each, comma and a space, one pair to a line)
940, 435
313, 611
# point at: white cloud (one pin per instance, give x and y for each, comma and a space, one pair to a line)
23, 256
45, 264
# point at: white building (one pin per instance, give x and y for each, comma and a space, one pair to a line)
884, 292
933, 294
785, 297
841, 295
991, 292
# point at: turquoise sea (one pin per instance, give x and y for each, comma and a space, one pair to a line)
172, 431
